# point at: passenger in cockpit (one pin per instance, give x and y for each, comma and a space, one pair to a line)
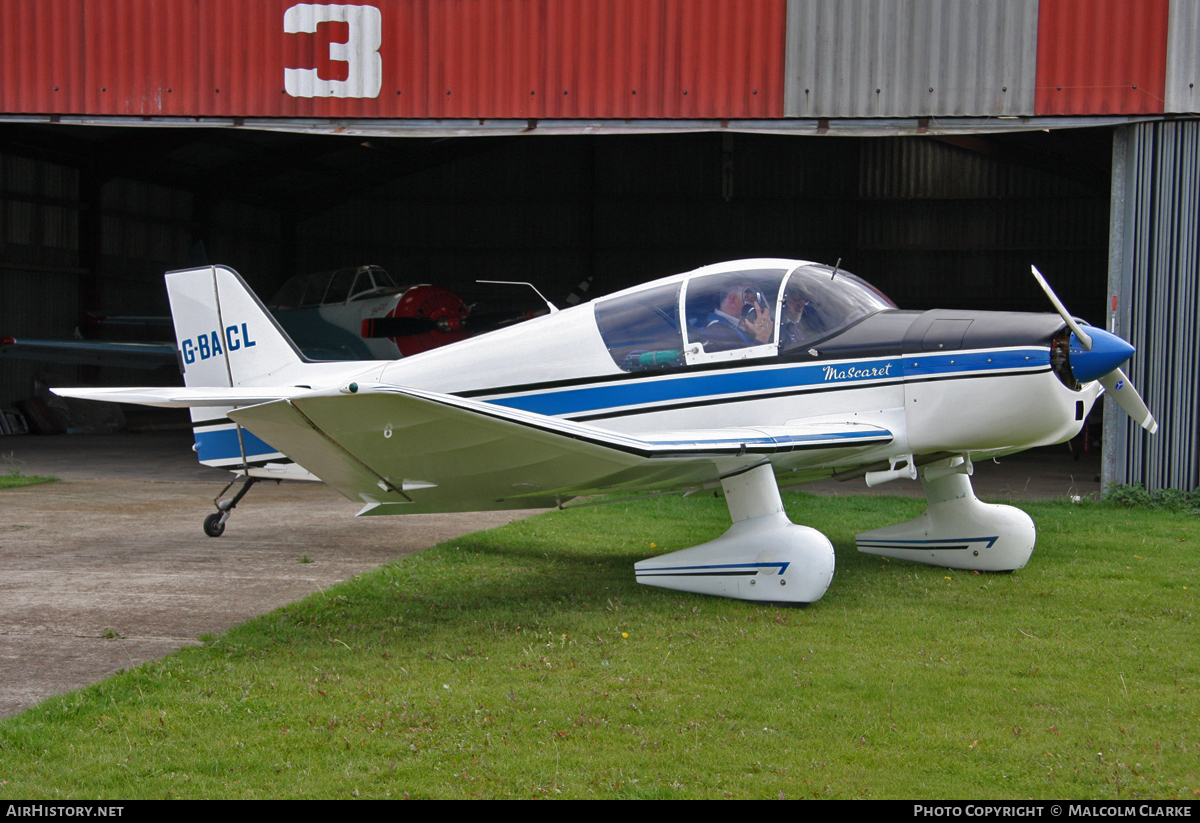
801, 318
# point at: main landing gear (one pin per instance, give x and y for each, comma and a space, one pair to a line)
956, 531
764, 556
214, 524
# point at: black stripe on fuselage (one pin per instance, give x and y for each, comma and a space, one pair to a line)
216, 421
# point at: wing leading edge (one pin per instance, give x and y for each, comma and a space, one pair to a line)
402, 451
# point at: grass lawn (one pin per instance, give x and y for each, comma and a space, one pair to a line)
526, 662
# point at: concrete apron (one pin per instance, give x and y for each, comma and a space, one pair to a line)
103, 575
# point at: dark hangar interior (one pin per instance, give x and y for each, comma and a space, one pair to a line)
93, 215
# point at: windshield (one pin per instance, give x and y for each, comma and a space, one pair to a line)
818, 304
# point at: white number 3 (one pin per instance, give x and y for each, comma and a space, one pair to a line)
361, 51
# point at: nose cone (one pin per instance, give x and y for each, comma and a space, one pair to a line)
1108, 353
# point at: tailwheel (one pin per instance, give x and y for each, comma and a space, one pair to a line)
214, 524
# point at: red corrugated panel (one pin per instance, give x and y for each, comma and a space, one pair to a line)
41, 51
1101, 56
439, 58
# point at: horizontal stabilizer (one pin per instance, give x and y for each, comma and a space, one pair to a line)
181, 398
451, 454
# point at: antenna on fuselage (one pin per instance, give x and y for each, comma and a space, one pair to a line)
553, 308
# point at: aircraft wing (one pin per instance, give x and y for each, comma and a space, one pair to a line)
90, 352
401, 450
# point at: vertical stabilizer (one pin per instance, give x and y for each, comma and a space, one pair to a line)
225, 335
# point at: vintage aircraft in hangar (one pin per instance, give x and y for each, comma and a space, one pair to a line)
725, 378
360, 313
353, 313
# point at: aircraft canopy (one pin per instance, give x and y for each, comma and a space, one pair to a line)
733, 315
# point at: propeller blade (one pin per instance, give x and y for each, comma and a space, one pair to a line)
1084, 338
397, 326
1118, 387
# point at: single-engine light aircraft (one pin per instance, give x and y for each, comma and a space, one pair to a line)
725, 379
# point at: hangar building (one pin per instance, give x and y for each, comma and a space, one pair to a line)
935, 147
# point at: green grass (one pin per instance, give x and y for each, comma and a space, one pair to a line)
13, 481
11, 476
526, 662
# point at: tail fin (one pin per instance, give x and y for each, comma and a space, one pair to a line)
225, 335
227, 338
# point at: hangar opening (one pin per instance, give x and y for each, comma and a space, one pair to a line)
649, 142
95, 215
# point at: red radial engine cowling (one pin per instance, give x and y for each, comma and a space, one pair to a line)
442, 306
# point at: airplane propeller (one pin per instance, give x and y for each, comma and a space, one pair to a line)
1098, 355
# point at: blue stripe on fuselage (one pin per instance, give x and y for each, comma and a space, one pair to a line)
935, 365
222, 444
688, 387
766, 379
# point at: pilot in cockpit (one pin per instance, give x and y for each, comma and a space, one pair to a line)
742, 318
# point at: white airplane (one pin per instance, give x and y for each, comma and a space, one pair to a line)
724, 379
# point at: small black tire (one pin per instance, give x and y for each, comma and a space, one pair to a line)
213, 526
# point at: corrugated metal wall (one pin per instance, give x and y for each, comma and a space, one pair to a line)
48, 278
908, 58
144, 229
940, 225
933, 224
609, 59
1183, 57
1102, 56
913, 58
625, 208
435, 59
1155, 273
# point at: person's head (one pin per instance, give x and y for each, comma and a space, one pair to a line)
794, 302
733, 298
